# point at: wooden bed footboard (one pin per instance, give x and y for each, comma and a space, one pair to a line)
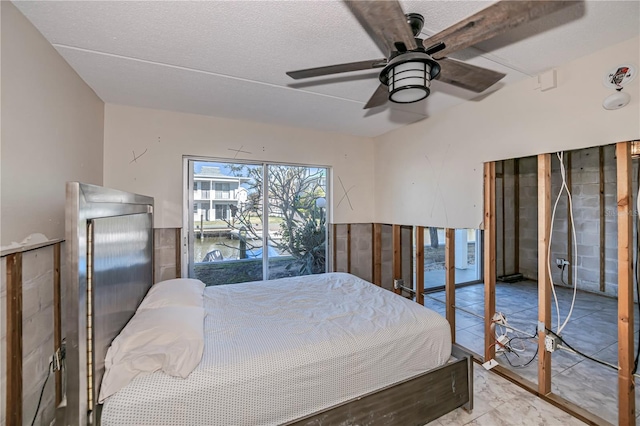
415, 401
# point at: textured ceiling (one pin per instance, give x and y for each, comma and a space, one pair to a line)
228, 58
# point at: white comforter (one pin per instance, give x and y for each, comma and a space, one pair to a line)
278, 350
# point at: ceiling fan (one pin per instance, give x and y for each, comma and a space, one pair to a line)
411, 63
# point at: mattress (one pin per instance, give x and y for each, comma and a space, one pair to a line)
278, 350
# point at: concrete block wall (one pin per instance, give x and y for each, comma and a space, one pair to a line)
505, 264
586, 205
528, 193
585, 188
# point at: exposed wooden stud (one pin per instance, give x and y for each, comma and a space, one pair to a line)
503, 219
516, 215
57, 322
348, 247
335, 247
377, 254
489, 258
420, 264
409, 245
397, 254
602, 221
178, 252
544, 281
14, 339
570, 248
450, 279
626, 383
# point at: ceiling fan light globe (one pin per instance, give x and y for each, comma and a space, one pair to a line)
408, 77
409, 82
408, 94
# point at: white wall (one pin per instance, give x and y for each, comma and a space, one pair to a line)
52, 131
436, 164
167, 136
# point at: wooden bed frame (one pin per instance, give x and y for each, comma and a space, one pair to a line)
100, 302
415, 401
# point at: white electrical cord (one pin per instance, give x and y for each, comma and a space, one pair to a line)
574, 261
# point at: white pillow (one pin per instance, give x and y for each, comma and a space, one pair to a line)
170, 339
176, 292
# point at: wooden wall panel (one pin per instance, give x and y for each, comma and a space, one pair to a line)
397, 255
387, 256
362, 251
341, 251
166, 254
377, 254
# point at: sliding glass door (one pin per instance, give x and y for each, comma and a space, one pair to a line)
297, 220
228, 230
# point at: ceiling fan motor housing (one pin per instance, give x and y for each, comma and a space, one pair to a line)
408, 76
416, 22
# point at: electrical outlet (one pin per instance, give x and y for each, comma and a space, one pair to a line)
560, 261
550, 343
397, 284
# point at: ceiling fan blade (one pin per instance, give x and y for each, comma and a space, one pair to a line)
379, 97
336, 69
492, 21
385, 23
467, 76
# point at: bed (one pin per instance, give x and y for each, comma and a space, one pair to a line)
291, 347
325, 349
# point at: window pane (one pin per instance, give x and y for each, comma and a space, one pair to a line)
227, 221
228, 230
297, 221
467, 255
434, 245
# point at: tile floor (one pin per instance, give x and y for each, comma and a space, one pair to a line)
499, 402
592, 330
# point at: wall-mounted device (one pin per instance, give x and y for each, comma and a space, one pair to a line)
616, 79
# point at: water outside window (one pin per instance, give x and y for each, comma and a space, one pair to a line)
228, 228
